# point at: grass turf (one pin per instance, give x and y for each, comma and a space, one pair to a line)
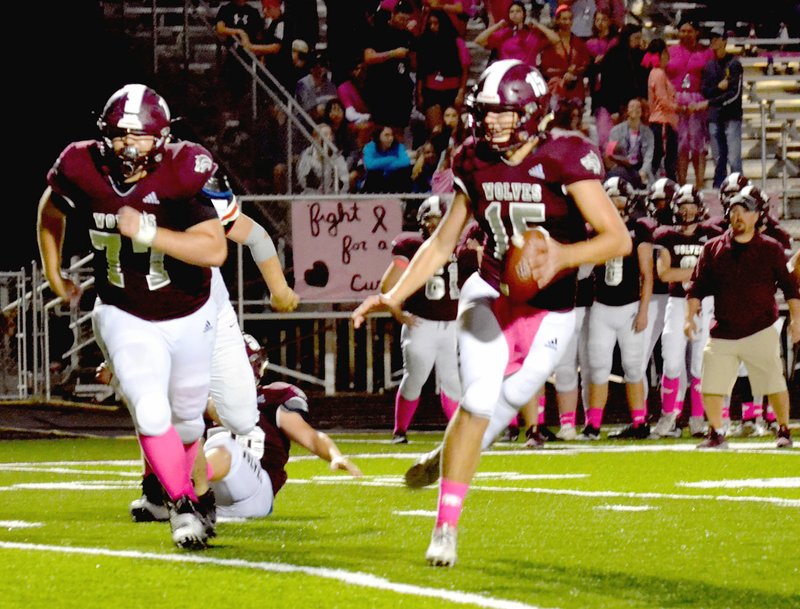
568, 527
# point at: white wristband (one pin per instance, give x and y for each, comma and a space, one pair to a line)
147, 231
337, 461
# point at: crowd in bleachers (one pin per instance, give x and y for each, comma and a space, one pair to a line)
389, 71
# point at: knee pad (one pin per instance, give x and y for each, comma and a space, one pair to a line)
566, 378
152, 415
238, 410
191, 430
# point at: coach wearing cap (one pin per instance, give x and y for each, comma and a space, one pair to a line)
741, 270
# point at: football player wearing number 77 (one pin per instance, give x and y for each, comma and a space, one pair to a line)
153, 236
511, 177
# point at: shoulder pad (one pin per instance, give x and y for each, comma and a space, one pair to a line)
194, 165
286, 396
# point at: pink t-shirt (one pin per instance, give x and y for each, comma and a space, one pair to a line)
523, 44
685, 67
661, 98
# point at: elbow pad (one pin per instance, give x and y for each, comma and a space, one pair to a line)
260, 243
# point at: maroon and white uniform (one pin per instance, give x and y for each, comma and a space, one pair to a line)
507, 352
617, 296
153, 317
431, 341
258, 461
684, 251
658, 305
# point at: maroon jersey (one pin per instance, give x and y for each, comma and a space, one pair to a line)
617, 282
509, 199
271, 398
437, 300
684, 250
137, 279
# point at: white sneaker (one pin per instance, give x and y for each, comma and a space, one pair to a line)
426, 469
442, 550
188, 529
726, 425
142, 510
567, 433
665, 427
697, 427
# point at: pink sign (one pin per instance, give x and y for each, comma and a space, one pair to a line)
342, 248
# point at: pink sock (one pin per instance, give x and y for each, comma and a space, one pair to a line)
542, 402
639, 415
748, 409
697, 398
514, 422
451, 498
190, 454
678, 406
167, 457
403, 412
726, 412
449, 405
595, 417
567, 418
669, 393
769, 414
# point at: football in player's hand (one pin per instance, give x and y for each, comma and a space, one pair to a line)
517, 274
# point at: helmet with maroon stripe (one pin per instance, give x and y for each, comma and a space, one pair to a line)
688, 195
751, 198
508, 85
732, 184
256, 354
429, 214
620, 188
659, 200
138, 110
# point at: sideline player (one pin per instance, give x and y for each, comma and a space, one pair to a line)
510, 176
428, 335
153, 235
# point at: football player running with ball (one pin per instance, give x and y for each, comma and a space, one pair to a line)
511, 177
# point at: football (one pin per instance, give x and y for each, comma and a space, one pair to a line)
517, 277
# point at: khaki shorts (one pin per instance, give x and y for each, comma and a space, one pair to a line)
760, 353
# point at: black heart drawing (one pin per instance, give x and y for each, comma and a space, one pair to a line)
317, 276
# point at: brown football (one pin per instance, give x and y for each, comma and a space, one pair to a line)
516, 277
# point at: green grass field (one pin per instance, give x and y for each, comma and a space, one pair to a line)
607, 526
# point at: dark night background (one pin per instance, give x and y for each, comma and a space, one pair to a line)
59, 73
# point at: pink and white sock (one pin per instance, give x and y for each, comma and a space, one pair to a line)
678, 409
748, 411
542, 401
449, 405
567, 418
696, 396
669, 393
594, 416
514, 422
451, 499
167, 458
639, 415
726, 412
403, 412
769, 414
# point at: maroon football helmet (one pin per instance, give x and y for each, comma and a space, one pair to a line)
620, 188
256, 354
732, 184
688, 194
138, 110
508, 85
751, 198
659, 200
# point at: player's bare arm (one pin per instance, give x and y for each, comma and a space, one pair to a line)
666, 273
300, 432
430, 257
202, 244
690, 325
644, 252
50, 229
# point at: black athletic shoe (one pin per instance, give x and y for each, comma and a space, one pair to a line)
589, 433
713, 440
511, 434
534, 438
547, 434
207, 509
400, 438
151, 506
631, 432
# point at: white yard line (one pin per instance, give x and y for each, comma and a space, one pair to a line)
18, 524
354, 578
787, 482
625, 508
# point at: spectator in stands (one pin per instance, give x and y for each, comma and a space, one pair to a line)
386, 163
459, 12
274, 156
686, 62
514, 38
298, 67
344, 136
424, 167
389, 56
447, 143
722, 87
615, 9
302, 20
443, 62
583, 12
564, 63
269, 47
346, 21
321, 167
636, 143
314, 91
356, 111
237, 22
604, 37
663, 113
